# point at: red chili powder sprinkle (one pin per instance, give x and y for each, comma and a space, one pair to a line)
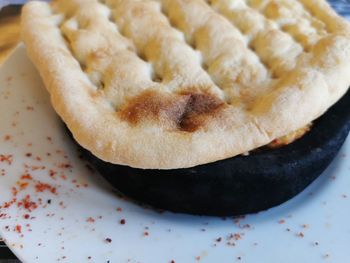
237, 236
52, 173
27, 203
90, 220
173, 261
28, 154
7, 137
122, 221
119, 209
35, 167
146, 233
65, 165
10, 203
41, 187
6, 158
18, 229
282, 221
26, 177
22, 186
26, 216
14, 191
300, 234
198, 258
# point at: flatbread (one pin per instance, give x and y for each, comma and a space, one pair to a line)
177, 83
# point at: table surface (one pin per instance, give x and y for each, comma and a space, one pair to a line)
9, 38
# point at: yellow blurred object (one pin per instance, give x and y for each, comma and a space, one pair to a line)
9, 31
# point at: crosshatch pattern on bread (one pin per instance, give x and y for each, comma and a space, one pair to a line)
177, 83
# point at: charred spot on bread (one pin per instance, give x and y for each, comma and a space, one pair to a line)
185, 111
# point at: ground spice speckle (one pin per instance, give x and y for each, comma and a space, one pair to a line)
122, 221
41, 187
236, 236
108, 240
90, 220
18, 229
7, 137
300, 234
27, 204
6, 158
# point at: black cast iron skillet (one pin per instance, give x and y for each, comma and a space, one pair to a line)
242, 184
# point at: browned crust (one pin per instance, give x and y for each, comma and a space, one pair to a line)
198, 128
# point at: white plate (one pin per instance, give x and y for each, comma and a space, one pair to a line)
313, 227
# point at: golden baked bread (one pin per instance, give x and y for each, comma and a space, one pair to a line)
167, 84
